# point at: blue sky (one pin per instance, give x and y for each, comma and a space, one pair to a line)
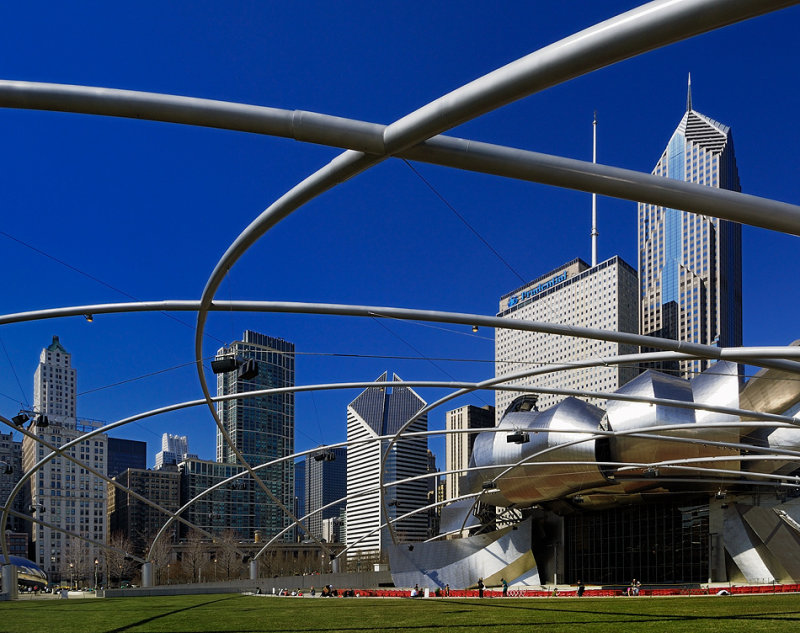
148, 208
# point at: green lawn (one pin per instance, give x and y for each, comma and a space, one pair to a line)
241, 614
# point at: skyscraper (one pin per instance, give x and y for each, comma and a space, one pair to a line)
136, 520
458, 446
300, 496
10, 474
376, 412
325, 483
174, 448
124, 454
601, 297
262, 427
690, 266
63, 493
54, 383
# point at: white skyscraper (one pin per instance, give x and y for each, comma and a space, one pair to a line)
602, 297
63, 493
54, 382
381, 411
173, 450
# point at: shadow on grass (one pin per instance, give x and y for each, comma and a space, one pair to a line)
130, 625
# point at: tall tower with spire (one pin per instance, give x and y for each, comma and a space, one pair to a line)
690, 266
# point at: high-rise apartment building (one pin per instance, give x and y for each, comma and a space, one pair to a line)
602, 297
458, 446
378, 412
690, 266
62, 492
135, 519
262, 427
227, 508
326, 487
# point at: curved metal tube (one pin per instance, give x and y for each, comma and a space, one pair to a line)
63, 451
466, 387
56, 528
642, 29
693, 350
646, 28
441, 150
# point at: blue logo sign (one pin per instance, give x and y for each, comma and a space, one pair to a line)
532, 292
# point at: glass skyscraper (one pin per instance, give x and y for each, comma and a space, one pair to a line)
690, 266
261, 427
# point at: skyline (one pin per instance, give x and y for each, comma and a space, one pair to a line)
120, 200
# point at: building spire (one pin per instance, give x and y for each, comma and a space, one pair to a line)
594, 195
689, 95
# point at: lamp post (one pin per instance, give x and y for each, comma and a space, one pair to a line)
168, 579
71, 576
96, 562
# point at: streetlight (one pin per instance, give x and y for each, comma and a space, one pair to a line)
96, 562
168, 578
72, 576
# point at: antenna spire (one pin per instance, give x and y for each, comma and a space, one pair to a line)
689, 94
594, 195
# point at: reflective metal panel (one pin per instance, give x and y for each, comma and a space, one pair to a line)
460, 562
771, 391
532, 483
635, 416
457, 514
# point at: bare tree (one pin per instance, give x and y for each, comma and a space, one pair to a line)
160, 554
194, 556
118, 563
229, 563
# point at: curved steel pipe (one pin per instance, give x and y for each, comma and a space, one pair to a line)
86, 539
694, 350
447, 151
63, 451
651, 26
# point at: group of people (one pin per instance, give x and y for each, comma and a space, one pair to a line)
634, 588
329, 591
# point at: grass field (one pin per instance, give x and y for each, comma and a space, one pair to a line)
259, 614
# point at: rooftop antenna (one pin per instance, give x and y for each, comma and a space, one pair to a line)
594, 195
689, 95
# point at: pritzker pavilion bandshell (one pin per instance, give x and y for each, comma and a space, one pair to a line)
721, 458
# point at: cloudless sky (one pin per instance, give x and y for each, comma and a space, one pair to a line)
148, 208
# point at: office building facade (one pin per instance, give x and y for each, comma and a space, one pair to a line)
325, 485
261, 427
458, 446
378, 412
124, 454
11, 460
229, 508
602, 297
63, 493
690, 266
135, 519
